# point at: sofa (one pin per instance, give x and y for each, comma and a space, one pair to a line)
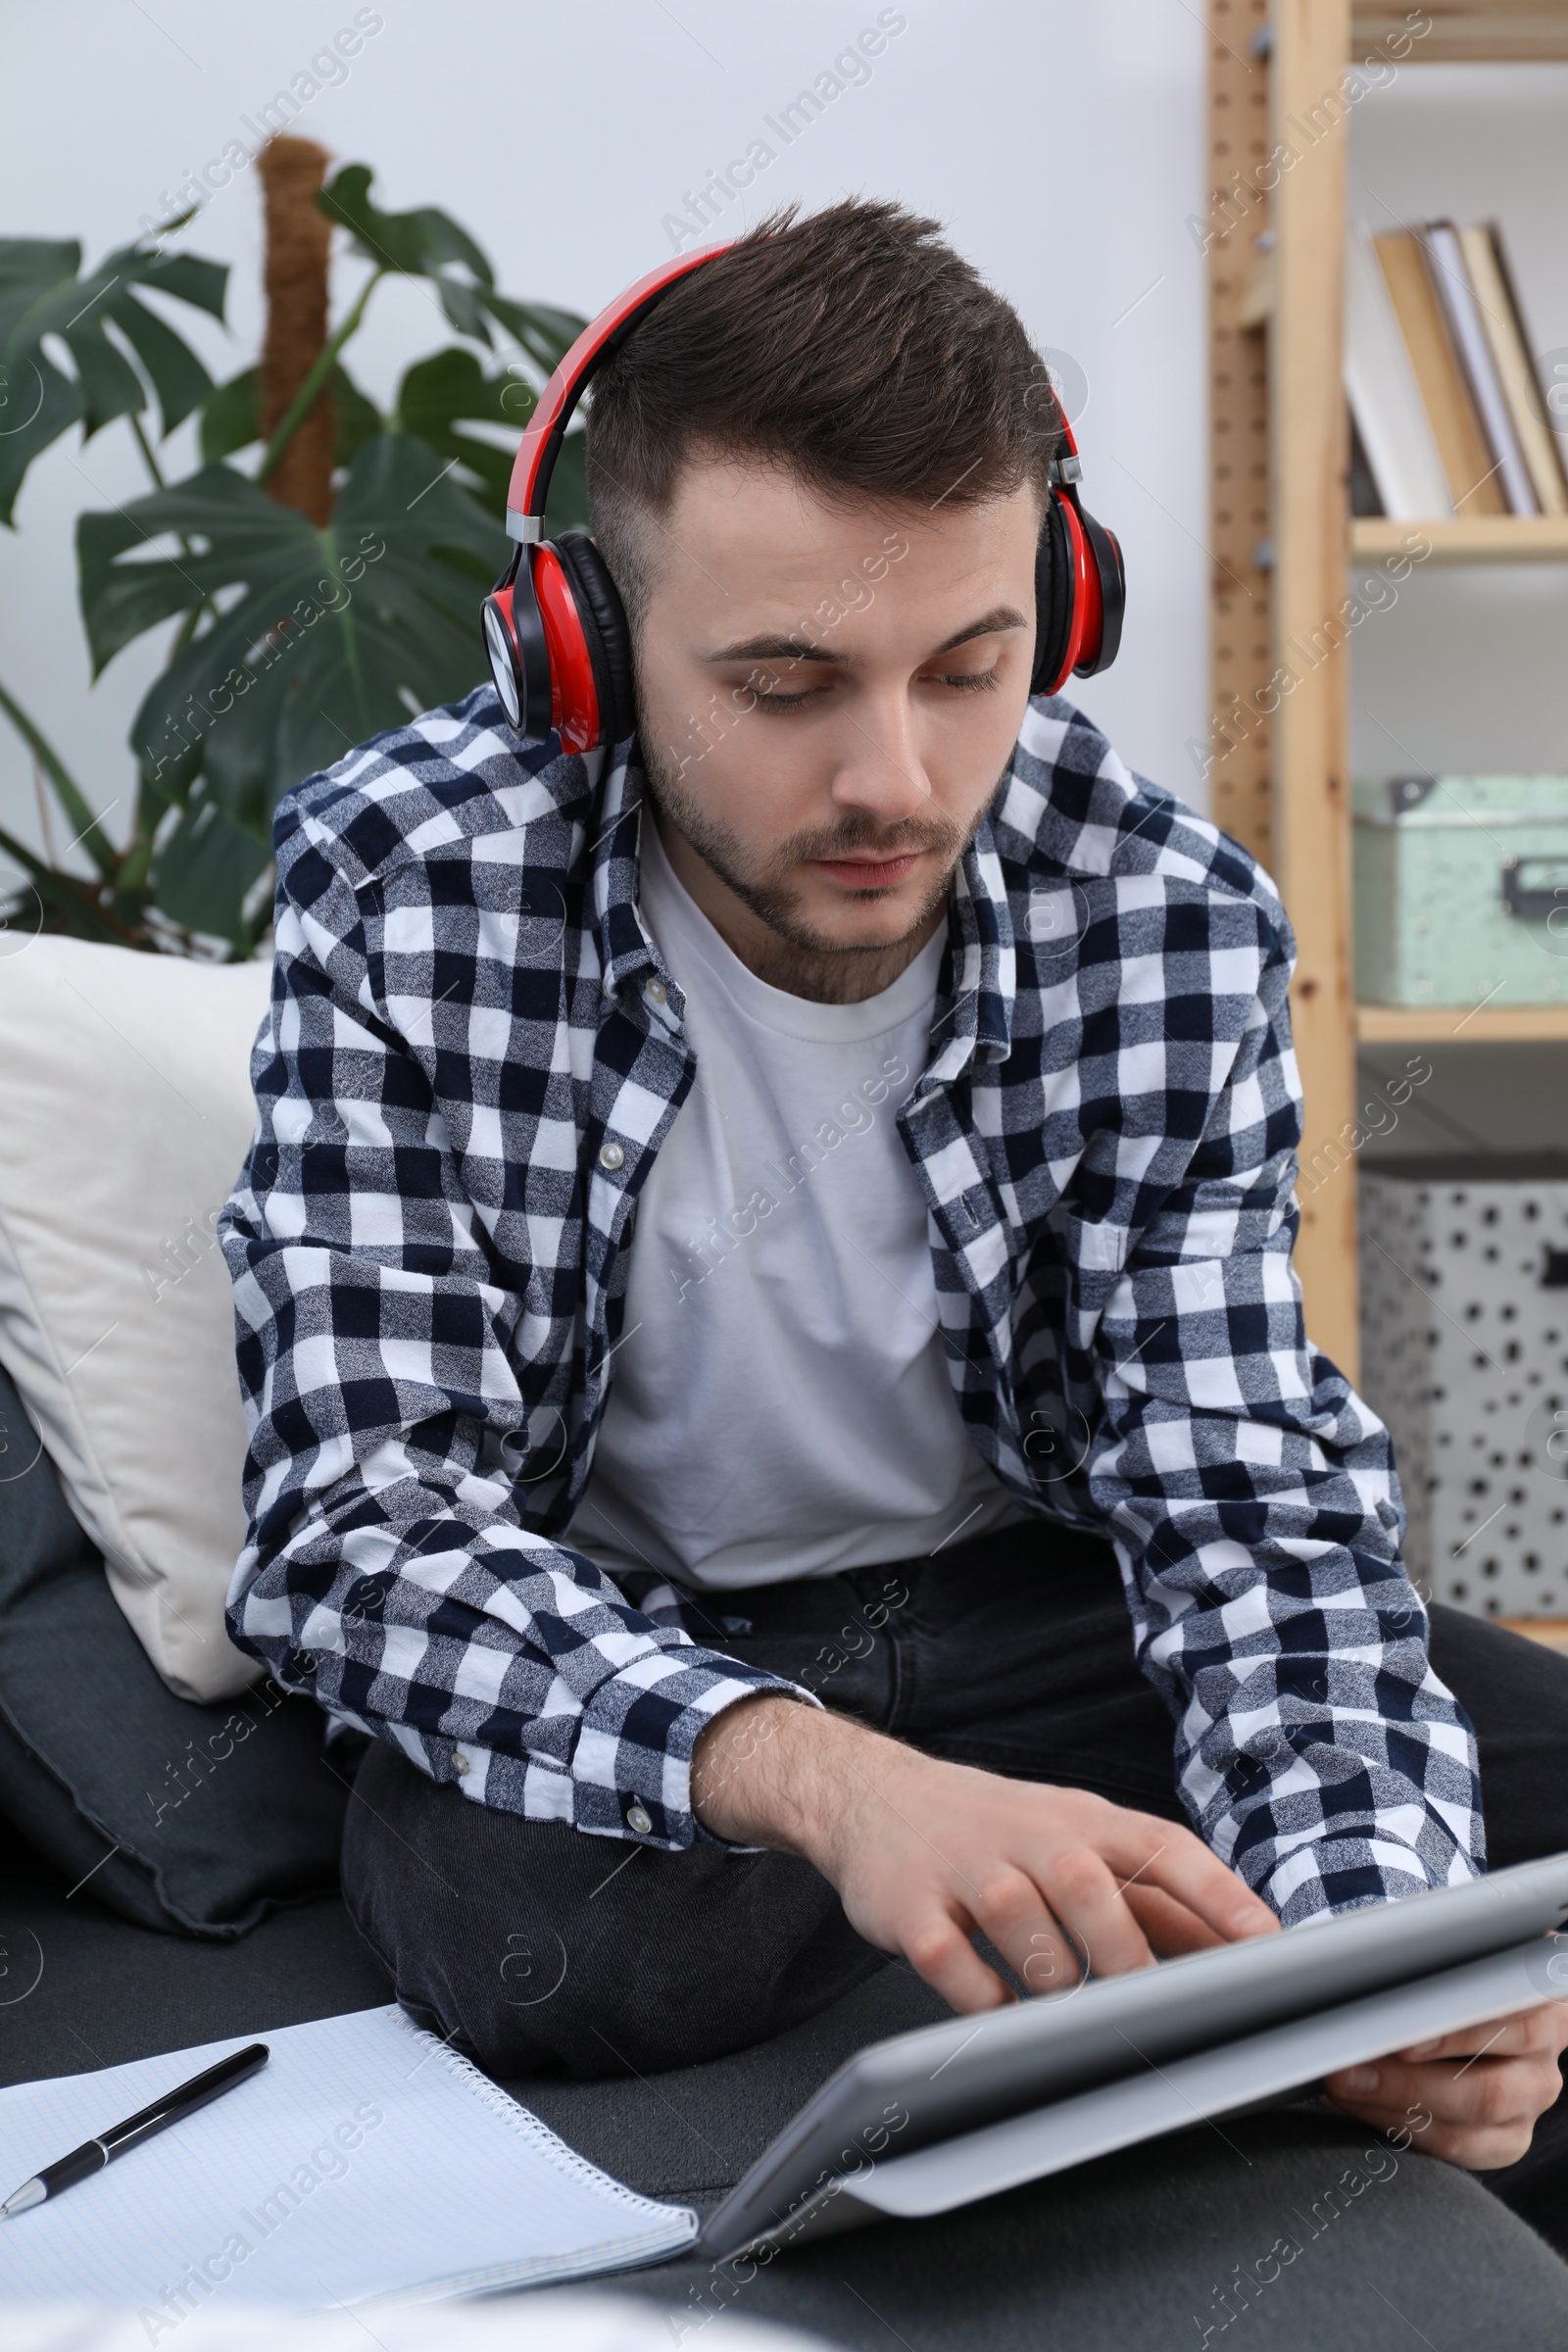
170, 1820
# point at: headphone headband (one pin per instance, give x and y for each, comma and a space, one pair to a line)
540, 446
555, 629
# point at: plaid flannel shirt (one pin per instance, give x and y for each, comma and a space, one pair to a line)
463, 1081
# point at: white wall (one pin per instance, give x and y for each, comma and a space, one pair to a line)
1063, 145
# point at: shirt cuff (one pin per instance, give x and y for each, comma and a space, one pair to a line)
631, 1769
1316, 1878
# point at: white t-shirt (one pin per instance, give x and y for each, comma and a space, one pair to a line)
779, 1401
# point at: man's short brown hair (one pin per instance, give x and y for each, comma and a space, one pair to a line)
853, 348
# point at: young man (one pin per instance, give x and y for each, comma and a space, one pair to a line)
748, 1230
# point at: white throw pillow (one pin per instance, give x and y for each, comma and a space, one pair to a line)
126, 1113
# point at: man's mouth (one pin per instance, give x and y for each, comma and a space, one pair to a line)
869, 873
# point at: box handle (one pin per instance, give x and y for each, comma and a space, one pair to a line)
1540, 903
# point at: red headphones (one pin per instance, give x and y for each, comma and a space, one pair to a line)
554, 628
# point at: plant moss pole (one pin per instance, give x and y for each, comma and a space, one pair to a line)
298, 242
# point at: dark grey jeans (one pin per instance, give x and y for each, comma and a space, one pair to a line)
540, 1950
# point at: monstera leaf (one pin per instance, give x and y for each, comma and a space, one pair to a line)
43, 295
436, 396
314, 639
203, 873
428, 243
449, 389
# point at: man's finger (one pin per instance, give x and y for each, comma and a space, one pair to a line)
1011, 1909
1491, 2091
1158, 1853
1084, 1896
1479, 2148
1170, 1929
938, 1950
1525, 2032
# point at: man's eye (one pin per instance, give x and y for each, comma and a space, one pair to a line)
969, 681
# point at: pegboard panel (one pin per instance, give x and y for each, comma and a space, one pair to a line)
1240, 659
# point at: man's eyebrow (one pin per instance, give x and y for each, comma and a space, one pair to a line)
775, 647
778, 647
989, 624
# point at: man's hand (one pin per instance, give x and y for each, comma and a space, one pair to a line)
1474, 2097
923, 1853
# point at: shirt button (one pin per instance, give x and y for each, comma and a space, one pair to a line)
460, 1765
611, 1156
656, 992
639, 1819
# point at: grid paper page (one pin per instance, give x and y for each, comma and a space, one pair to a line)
365, 2158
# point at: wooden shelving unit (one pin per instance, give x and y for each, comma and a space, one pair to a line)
1282, 539
1464, 539
1488, 35
1551, 1631
1461, 1025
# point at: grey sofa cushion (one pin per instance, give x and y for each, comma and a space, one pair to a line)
81, 1987
192, 1819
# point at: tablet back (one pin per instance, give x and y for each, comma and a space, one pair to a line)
943, 2079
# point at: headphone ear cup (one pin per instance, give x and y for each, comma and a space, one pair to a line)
606, 632
1106, 549
1052, 599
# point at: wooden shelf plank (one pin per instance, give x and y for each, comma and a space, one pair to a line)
1309, 462
1463, 539
1458, 1024
1241, 651
1467, 33
1553, 1630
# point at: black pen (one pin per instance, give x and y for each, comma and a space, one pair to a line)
171, 2108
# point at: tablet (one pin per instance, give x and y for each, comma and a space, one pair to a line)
945, 2079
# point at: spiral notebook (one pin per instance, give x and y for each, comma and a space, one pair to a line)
365, 2160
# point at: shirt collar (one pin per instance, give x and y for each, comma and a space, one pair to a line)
625, 949
985, 969
977, 1018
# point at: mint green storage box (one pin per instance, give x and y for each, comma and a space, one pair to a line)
1461, 890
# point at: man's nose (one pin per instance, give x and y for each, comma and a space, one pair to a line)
879, 767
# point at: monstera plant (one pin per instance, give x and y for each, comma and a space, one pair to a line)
298, 623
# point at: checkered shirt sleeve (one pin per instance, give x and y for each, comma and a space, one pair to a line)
1250, 1493
393, 1264
1252, 1499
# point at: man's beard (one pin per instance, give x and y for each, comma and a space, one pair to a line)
760, 886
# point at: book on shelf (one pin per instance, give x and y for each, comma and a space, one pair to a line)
1468, 459
1504, 325
1390, 416
1443, 397
1449, 271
